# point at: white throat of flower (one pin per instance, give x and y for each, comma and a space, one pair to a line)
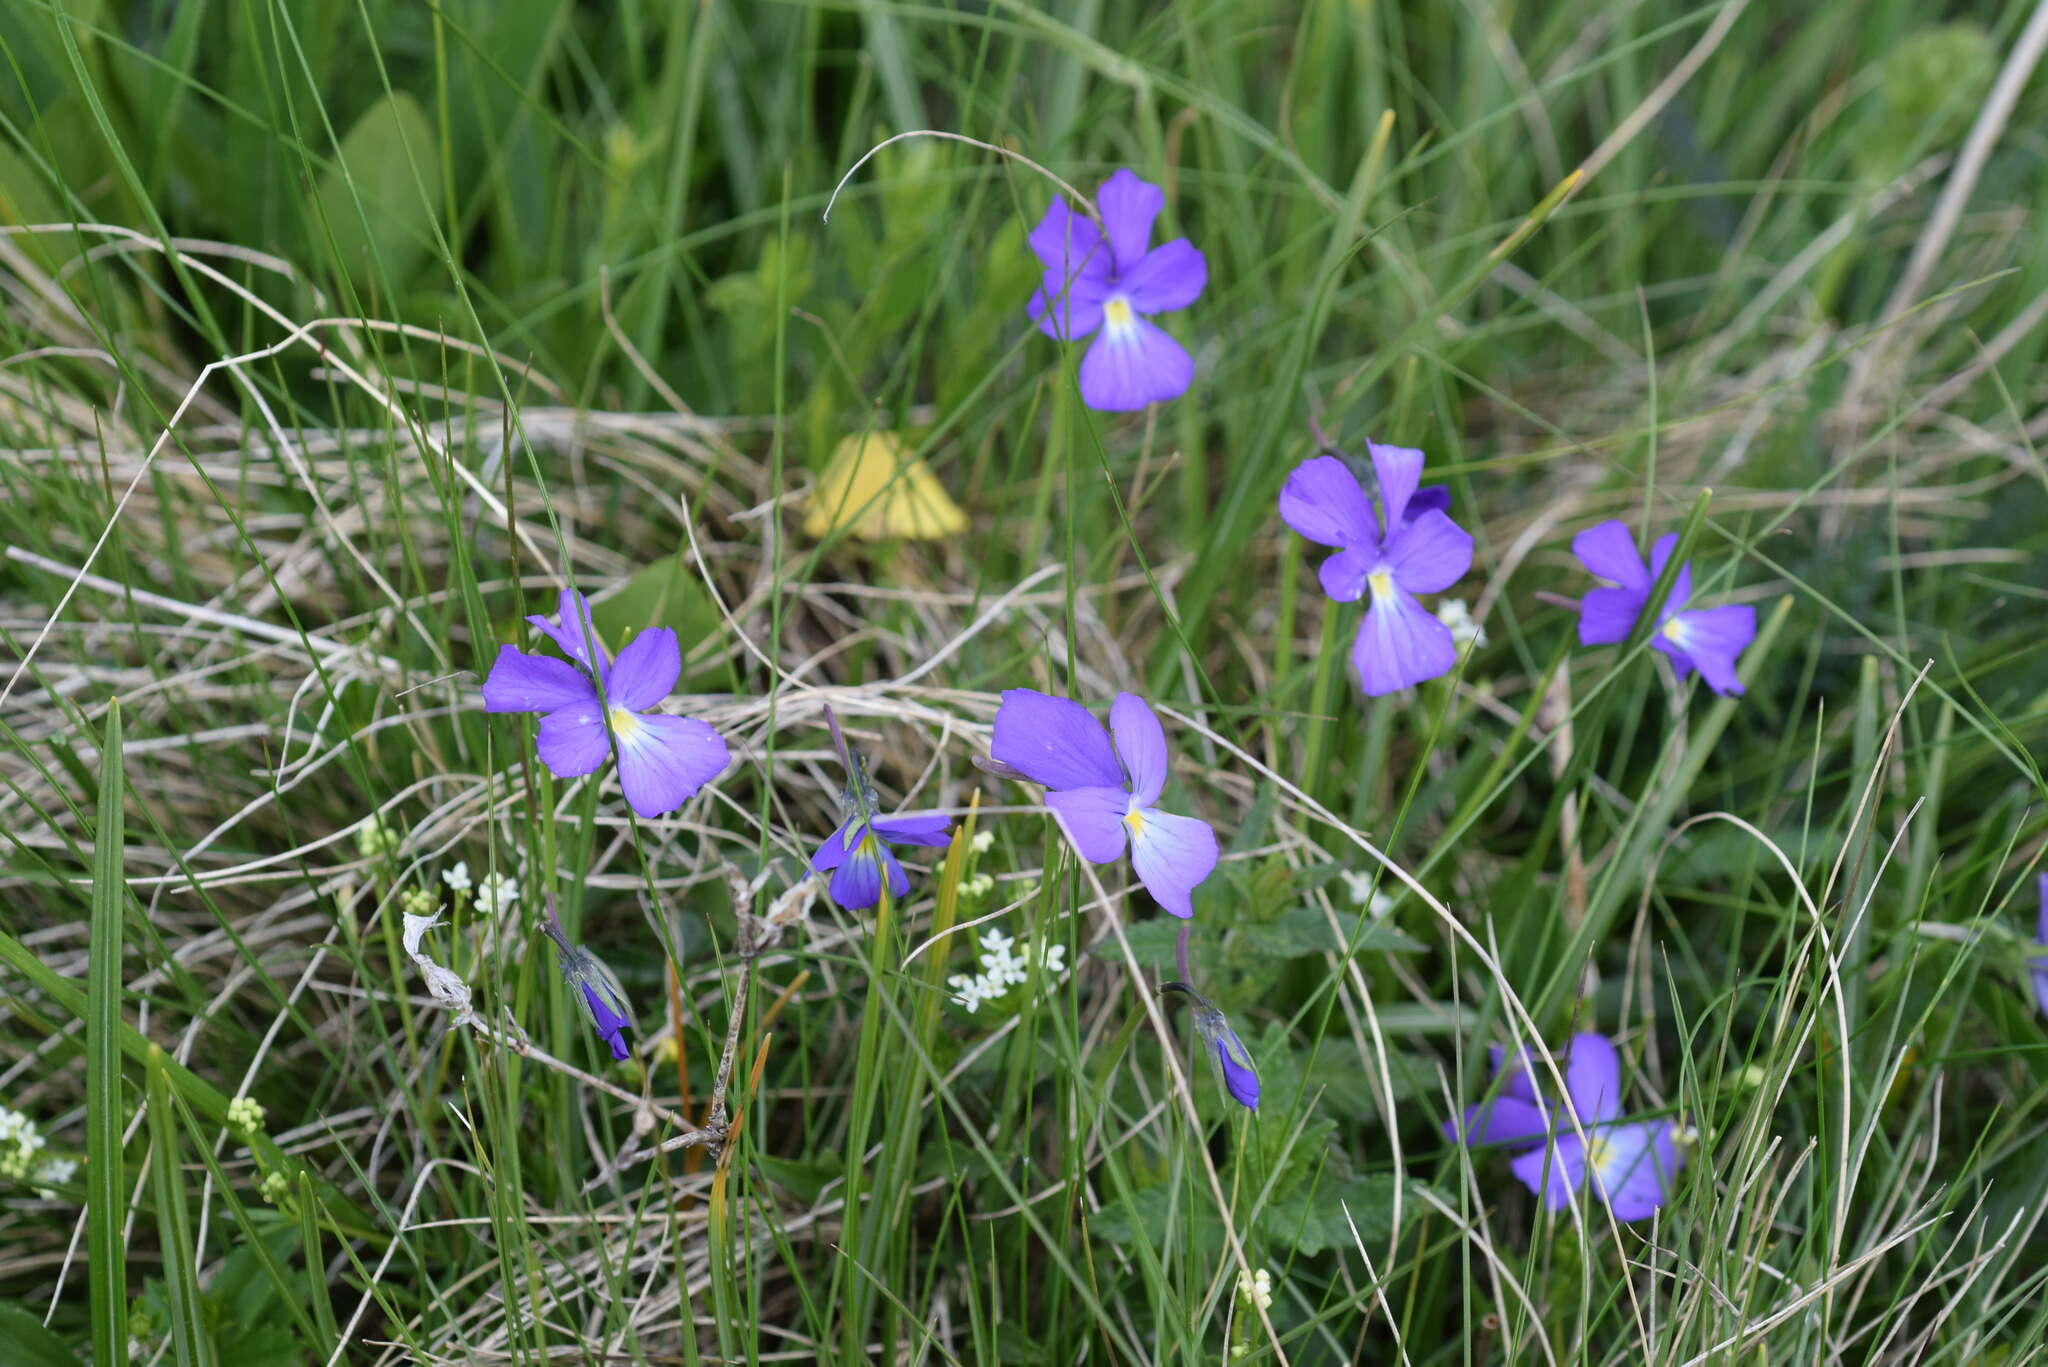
1382, 583
1118, 317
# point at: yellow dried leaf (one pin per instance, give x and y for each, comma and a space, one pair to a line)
874, 487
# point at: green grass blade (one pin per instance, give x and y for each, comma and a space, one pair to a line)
106, 1251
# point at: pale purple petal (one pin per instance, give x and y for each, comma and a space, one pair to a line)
1504, 1120
574, 631
1514, 1075
1553, 1171
1343, 574
1607, 616
645, 671
930, 829
1712, 640
1132, 364
832, 853
1169, 277
1141, 745
664, 760
1065, 241
2040, 969
1076, 312
572, 741
1172, 855
1054, 741
519, 682
1399, 469
1638, 1165
1430, 553
1128, 207
857, 884
1609, 552
1400, 644
1094, 818
1660, 555
1322, 501
1592, 1078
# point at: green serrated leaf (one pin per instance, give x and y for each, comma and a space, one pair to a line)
1306, 930
1314, 1219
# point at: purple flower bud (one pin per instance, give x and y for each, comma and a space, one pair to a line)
593, 983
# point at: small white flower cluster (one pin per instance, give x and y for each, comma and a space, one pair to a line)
417, 902
1376, 903
20, 1142
245, 1113
1453, 613
274, 1187
1256, 1289
497, 893
1004, 964
978, 886
457, 877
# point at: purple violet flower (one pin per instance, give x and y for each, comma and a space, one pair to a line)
598, 707
854, 854
1402, 545
1104, 792
2040, 969
1707, 639
1112, 287
601, 997
1631, 1164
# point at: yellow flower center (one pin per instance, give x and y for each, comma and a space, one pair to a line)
1599, 1153
1674, 631
1116, 311
624, 723
1382, 585
1135, 819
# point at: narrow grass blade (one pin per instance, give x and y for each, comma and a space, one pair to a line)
105, 1252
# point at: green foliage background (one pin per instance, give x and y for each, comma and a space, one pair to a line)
526, 290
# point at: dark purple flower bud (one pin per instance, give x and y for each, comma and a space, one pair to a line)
1226, 1051
602, 1000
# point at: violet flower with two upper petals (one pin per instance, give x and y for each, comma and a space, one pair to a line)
602, 1001
1630, 1164
1710, 640
1400, 545
855, 854
598, 708
1104, 791
1111, 288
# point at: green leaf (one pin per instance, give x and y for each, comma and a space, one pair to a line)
1312, 1219
25, 1343
375, 200
105, 1190
1306, 930
669, 594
